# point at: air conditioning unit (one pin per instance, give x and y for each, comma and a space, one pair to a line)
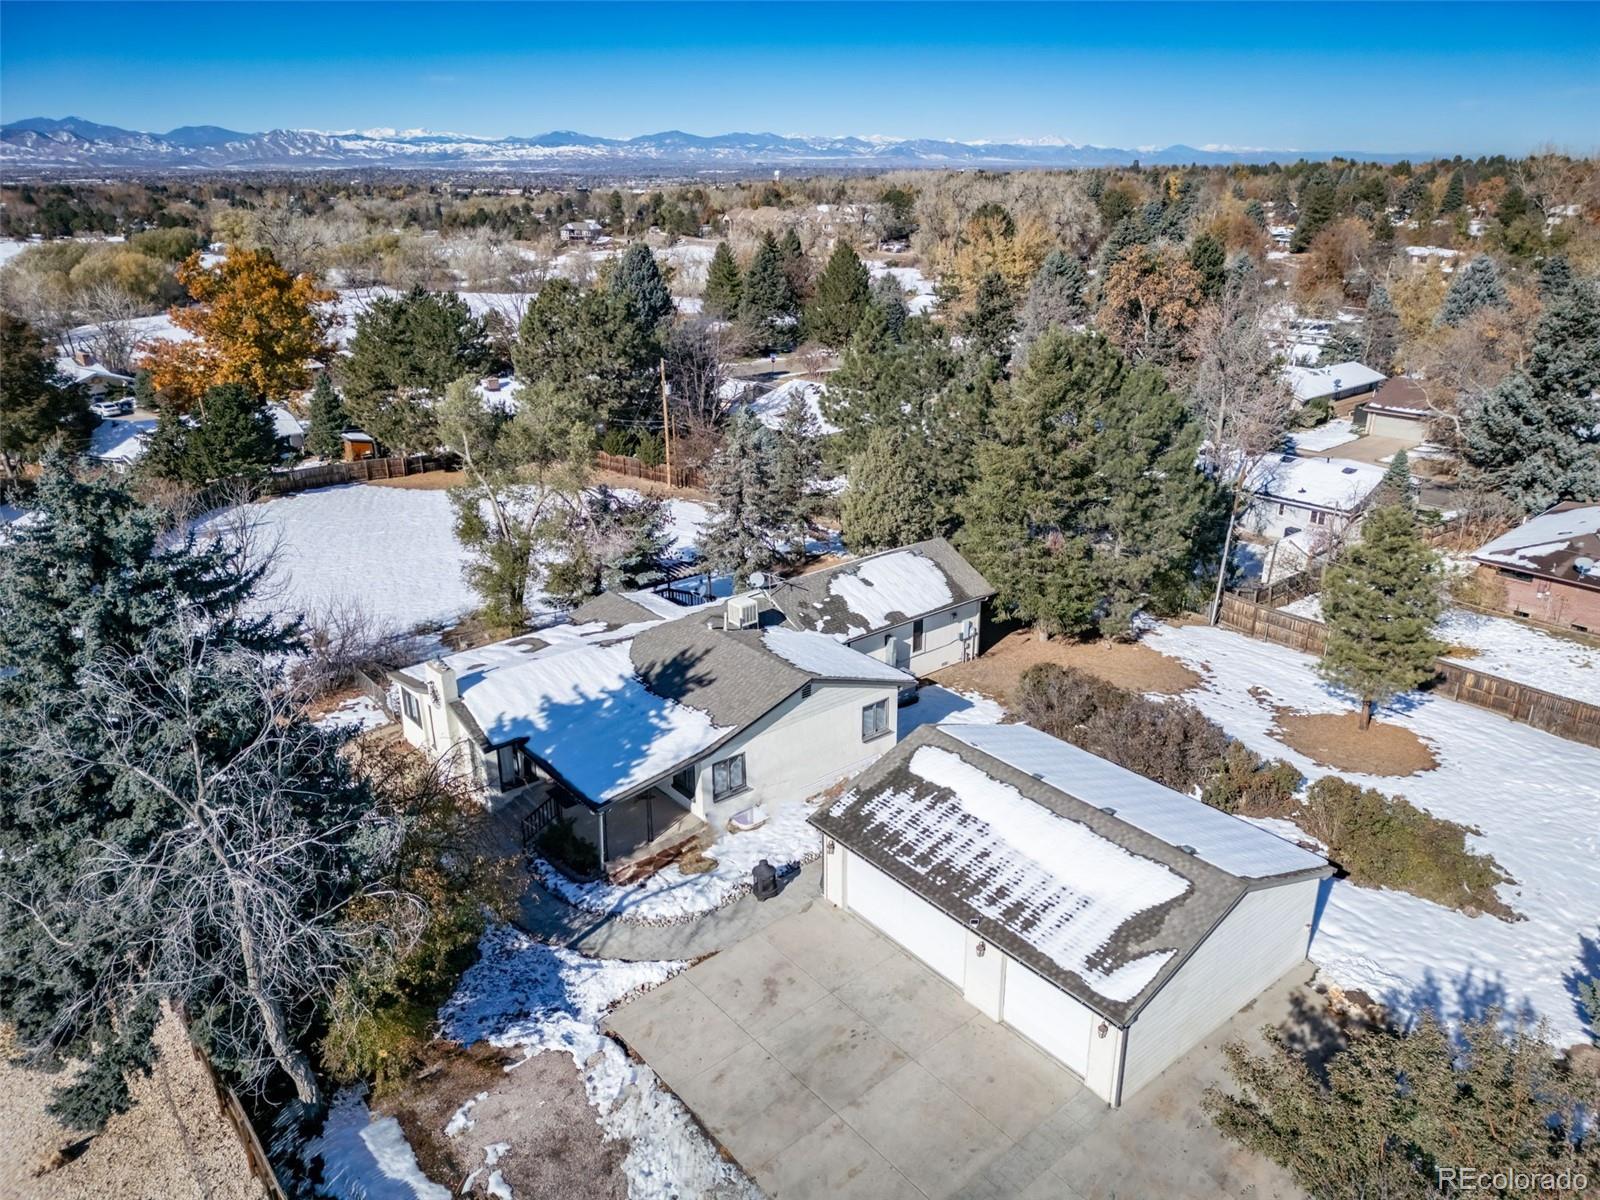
743, 612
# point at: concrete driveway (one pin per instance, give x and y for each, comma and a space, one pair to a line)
830, 1063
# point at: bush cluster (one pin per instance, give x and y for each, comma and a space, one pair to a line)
1386, 841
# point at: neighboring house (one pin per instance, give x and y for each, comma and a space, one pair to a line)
94, 378
582, 231
1305, 507
119, 442
288, 427
1550, 566
1110, 920
1340, 382
642, 728
918, 608
1399, 409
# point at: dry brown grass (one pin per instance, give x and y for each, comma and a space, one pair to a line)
1337, 740
1130, 665
426, 481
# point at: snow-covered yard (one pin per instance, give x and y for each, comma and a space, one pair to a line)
1507, 648
526, 996
392, 551
921, 296
1536, 799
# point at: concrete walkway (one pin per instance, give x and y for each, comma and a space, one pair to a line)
607, 936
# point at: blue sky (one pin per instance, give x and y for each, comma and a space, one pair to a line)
1469, 78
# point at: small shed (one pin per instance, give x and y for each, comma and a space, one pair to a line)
357, 445
1110, 920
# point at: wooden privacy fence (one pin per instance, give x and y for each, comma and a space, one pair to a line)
255, 1153
1561, 715
622, 464
361, 471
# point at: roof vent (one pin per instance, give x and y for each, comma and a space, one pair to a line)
1583, 565
1108, 810
1187, 849
1347, 471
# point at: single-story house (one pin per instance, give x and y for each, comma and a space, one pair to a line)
1308, 506
582, 231
1110, 920
1399, 409
631, 721
119, 442
1550, 566
288, 427
1336, 383
918, 608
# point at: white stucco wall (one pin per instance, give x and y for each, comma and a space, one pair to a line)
941, 640
801, 748
1262, 938
1264, 518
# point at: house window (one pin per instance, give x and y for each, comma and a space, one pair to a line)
916, 636
727, 777
683, 782
512, 768
413, 709
1319, 518
874, 720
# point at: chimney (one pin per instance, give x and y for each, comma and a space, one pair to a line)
442, 687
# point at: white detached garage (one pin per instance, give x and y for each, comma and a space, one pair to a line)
1110, 920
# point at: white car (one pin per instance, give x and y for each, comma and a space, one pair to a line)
112, 407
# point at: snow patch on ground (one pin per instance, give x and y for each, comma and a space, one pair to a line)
1506, 648
1326, 436
392, 551
922, 297
365, 1159
1535, 797
357, 714
523, 994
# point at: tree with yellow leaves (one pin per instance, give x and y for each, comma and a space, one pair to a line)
252, 323
992, 243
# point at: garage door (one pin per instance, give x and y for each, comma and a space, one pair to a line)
913, 922
1047, 1016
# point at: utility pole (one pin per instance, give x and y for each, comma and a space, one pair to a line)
666, 419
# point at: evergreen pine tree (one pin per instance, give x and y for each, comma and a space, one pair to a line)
1455, 194
840, 300
585, 343
723, 284
1475, 286
1257, 213
887, 380
1087, 504
1380, 600
1210, 261
1396, 485
796, 466
36, 406
324, 438
1555, 277
889, 302
1535, 439
637, 280
1317, 207
405, 352
767, 302
1055, 300
230, 436
1382, 331
796, 265
739, 539
886, 502
992, 321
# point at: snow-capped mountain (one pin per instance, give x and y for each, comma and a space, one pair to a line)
43, 143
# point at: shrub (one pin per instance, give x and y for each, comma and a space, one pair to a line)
561, 844
618, 442
1247, 784
1383, 841
650, 450
1170, 743
1392, 1106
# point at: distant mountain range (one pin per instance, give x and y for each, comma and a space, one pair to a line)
70, 143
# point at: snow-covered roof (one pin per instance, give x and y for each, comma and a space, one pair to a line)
623, 697
770, 406
1562, 543
1311, 383
1225, 842
73, 371
870, 594
1339, 484
284, 423
1089, 899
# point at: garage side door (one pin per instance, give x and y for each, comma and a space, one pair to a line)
1047, 1016
910, 920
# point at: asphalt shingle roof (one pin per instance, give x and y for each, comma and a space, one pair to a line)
838, 602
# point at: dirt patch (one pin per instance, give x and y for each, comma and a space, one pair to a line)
423, 481
538, 1111
174, 1144
649, 487
1130, 665
1337, 740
